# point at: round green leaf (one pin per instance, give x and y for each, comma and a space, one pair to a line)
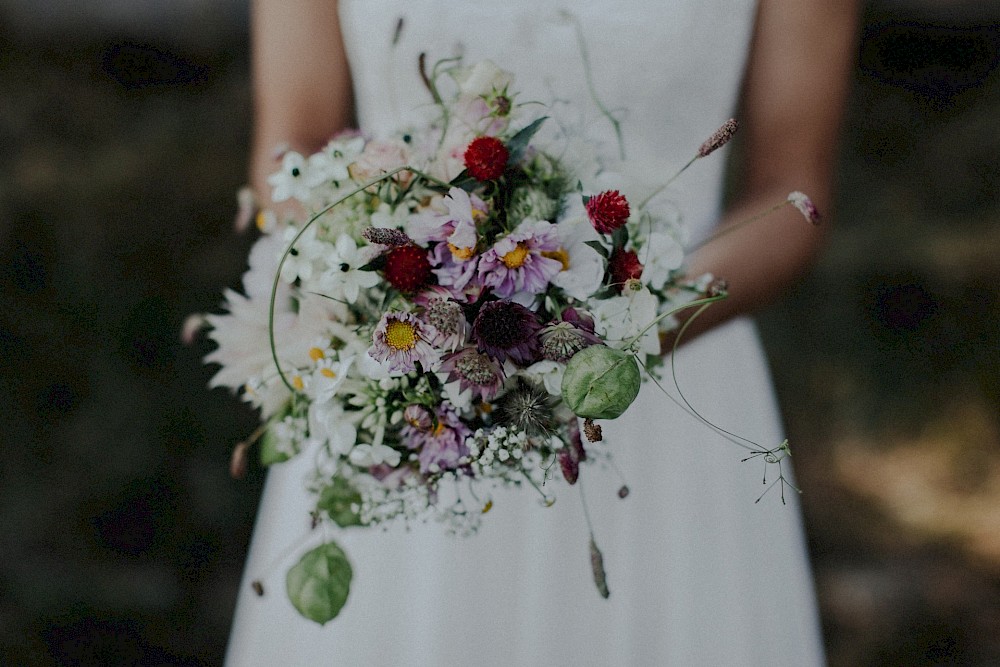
600, 382
337, 500
319, 583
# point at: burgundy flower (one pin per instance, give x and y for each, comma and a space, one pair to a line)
607, 211
407, 268
507, 330
624, 266
486, 158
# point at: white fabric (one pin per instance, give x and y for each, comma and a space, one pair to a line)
699, 574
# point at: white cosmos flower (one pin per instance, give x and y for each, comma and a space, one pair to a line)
364, 455
661, 256
329, 377
292, 181
583, 268
241, 334
343, 278
619, 319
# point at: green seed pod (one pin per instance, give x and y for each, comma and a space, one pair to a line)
600, 382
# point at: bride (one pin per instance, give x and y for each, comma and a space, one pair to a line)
699, 574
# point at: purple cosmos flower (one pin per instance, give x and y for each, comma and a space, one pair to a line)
442, 447
401, 340
455, 271
474, 370
507, 330
456, 225
518, 263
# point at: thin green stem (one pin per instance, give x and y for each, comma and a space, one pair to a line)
733, 227
592, 89
670, 180
705, 302
288, 250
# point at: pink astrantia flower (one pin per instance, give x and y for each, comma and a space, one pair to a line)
474, 371
400, 339
517, 263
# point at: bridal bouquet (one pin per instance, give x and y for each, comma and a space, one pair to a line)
455, 305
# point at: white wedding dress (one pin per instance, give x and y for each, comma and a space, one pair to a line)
699, 574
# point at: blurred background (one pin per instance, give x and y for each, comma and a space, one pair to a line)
123, 135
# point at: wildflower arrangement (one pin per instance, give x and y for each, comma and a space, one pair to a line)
456, 314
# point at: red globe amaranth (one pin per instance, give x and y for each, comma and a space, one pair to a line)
623, 266
407, 268
486, 158
607, 211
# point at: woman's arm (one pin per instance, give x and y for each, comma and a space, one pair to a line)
301, 81
793, 98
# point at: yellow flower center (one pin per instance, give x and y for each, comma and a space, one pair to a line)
561, 255
515, 258
261, 220
316, 353
400, 336
438, 430
297, 382
461, 254
326, 372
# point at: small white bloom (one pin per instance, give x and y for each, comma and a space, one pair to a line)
292, 180
482, 79
331, 163
343, 278
548, 373
365, 455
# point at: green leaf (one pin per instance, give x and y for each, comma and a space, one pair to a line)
599, 247
519, 142
336, 501
620, 237
319, 583
269, 452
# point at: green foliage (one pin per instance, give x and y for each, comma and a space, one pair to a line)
318, 585
336, 500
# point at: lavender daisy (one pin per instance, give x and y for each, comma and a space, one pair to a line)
401, 340
516, 264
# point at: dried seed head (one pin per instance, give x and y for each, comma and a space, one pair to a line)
258, 588
384, 236
717, 287
597, 565
719, 138
592, 430
623, 492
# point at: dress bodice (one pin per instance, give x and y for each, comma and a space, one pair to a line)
668, 69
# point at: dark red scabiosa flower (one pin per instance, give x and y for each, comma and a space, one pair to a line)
607, 211
407, 268
486, 158
624, 266
507, 330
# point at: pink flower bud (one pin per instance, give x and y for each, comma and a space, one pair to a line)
805, 206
